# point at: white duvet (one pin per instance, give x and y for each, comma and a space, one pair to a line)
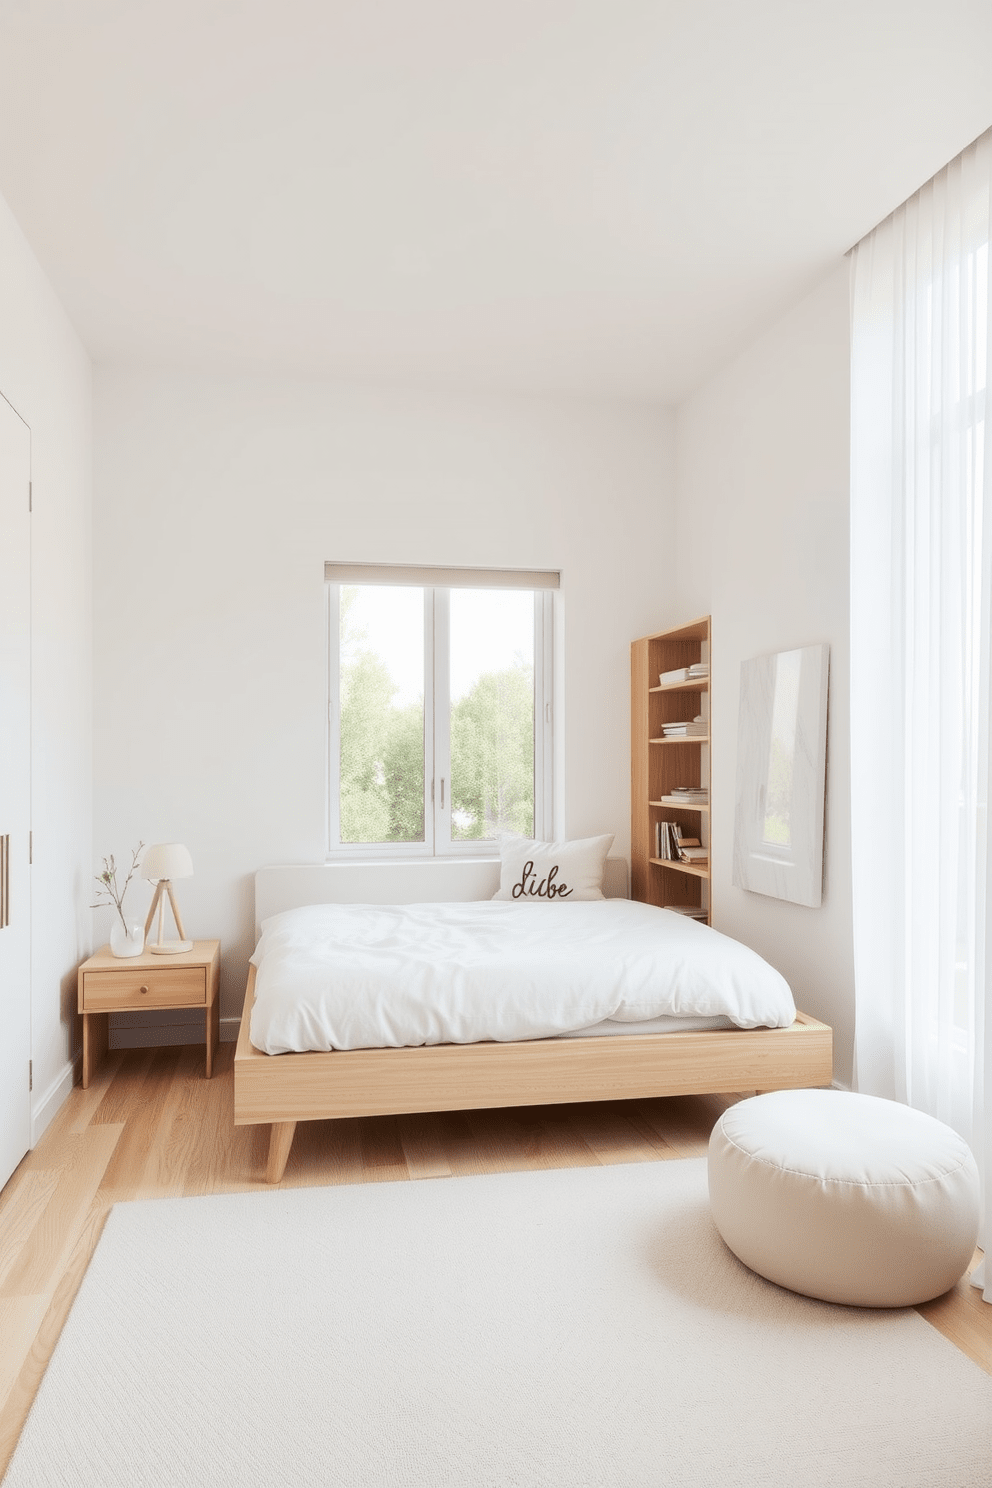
355, 976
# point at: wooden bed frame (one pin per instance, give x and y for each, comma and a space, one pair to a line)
283, 1089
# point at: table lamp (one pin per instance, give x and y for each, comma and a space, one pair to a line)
163, 862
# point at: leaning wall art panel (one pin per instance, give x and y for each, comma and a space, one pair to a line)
781, 775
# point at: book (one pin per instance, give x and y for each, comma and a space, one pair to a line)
671, 847
693, 854
667, 836
691, 911
697, 729
697, 672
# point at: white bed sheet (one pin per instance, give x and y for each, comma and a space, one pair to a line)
344, 976
610, 1028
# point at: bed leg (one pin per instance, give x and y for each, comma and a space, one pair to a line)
280, 1141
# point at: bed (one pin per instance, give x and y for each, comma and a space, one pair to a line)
284, 1088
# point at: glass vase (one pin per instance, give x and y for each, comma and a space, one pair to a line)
129, 942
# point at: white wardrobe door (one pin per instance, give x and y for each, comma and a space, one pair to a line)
15, 789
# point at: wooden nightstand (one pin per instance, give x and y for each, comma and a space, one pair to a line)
116, 984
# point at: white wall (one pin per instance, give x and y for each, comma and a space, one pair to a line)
45, 374
762, 534
217, 503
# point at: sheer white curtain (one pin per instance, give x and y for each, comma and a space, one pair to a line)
921, 653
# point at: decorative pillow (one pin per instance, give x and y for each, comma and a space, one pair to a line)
546, 872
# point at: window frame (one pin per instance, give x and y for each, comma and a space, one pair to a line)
438, 842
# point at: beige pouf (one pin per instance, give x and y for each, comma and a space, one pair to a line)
844, 1197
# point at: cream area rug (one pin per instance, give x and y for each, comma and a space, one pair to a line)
526, 1330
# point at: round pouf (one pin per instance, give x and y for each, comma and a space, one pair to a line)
844, 1197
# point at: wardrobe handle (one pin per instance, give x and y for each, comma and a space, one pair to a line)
4, 882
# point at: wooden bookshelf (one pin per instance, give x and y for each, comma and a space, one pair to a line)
659, 764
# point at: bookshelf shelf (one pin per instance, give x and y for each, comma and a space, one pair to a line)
655, 772
683, 739
682, 805
701, 686
694, 870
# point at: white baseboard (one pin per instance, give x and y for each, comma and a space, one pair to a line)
46, 1107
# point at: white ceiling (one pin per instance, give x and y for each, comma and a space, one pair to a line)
600, 197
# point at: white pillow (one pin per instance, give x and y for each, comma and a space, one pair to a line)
534, 872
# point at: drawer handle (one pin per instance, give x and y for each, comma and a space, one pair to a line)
142, 989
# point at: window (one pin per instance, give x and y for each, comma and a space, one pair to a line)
439, 707
921, 649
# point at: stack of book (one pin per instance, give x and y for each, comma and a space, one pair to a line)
696, 728
666, 841
697, 672
690, 795
671, 847
690, 851
691, 911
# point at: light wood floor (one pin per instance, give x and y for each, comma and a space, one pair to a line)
151, 1126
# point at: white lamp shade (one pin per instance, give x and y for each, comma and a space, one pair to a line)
167, 860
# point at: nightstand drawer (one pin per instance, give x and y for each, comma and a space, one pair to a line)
178, 986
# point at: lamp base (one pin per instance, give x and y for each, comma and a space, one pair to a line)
169, 947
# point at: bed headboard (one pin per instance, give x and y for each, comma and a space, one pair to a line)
419, 881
